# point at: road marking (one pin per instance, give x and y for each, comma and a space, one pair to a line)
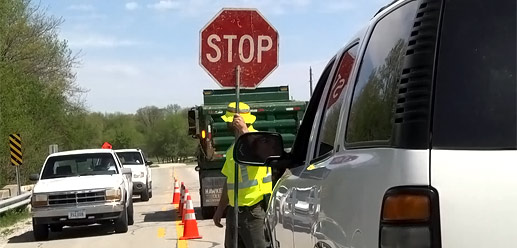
179, 228
179, 233
161, 232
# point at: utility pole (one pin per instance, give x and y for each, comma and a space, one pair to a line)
310, 78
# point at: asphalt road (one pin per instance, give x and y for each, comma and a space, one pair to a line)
156, 223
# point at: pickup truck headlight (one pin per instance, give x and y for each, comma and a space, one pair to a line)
39, 200
141, 175
113, 194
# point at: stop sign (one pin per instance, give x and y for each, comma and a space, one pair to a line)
239, 37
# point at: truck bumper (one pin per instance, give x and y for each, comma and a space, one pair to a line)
94, 213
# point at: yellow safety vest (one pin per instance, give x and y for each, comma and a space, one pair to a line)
254, 181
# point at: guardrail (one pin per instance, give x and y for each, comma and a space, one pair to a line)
15, 202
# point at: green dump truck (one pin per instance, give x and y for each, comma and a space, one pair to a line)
275, 112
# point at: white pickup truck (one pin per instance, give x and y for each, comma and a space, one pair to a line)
142, 174
82, 187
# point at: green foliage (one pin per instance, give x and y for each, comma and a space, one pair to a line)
12, 216
39, 100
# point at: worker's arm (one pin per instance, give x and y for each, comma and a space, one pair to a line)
223, 203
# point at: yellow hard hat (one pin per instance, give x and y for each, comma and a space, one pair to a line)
244, 112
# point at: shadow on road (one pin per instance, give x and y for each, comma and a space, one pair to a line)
211, 243
161, 216
68, 233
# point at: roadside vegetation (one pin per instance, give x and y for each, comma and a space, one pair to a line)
11, 217
40, 100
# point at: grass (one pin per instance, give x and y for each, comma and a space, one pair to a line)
11, 217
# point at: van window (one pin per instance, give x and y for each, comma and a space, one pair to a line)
334, 102
475, 89
374, 98
300, 147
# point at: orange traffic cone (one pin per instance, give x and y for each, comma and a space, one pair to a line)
190, 230
176, 196
182, 198
184, 209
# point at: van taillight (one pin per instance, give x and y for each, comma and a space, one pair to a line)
410, 218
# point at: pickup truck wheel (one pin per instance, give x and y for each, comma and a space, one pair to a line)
40, 231
56, 228
130, 214
122, 222
144, 196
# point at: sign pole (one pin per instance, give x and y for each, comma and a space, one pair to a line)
236, 177
18, 180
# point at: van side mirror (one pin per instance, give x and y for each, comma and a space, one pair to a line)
258, 148
148, 163
34, 177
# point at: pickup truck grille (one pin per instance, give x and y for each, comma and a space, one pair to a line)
77, 197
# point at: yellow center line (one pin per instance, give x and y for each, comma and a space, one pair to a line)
179, 233
161, 232
179, 228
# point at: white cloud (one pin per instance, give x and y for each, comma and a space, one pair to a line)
85, 40
163, 81
165, 5
122, 69
337, 6
132, 5
201, 7
82, 7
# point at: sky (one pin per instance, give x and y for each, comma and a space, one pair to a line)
137, 53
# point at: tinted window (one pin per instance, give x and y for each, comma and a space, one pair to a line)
79, 165
374, 97
334, 102
130, 158
475, 92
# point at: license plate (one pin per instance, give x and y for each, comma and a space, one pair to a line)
78, 214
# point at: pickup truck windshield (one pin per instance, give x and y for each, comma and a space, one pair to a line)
131, 158
79, 165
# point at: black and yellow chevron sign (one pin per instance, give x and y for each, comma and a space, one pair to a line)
15, 145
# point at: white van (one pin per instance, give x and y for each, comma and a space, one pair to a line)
410, 138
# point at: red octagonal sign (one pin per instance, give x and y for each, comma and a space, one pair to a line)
239, 37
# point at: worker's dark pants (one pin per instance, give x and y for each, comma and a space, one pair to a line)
251, 227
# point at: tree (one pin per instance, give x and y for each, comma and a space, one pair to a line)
38, 94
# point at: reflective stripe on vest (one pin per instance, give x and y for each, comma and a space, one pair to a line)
246, 182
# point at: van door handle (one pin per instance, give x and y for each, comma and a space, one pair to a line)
290, 201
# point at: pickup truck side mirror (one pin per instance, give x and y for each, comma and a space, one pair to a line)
34, 177
127, 171
258, 148
148, 163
